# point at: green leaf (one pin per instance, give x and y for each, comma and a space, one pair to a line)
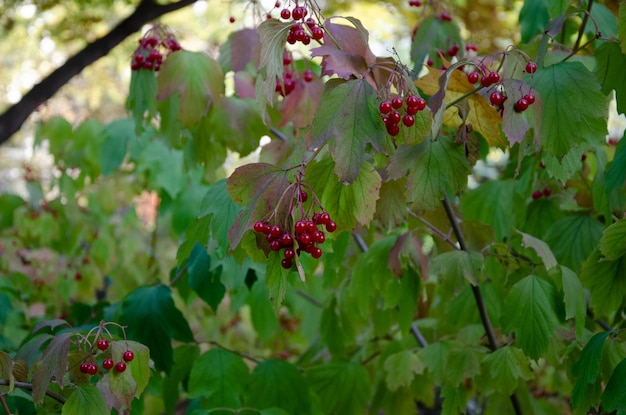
258, 187
222, 211
276, 280
348, 119
571, 122
506, 367
587, 367
433, 34
463, 363
220, 377
401, 368
342, 387
621, 26
336, 329
432, 168
435, 358
142, 95
491, 203
604, 22
152, 319
347, 204
457, 267
185, 357
277, 383
227, 125
454, 400
540, 247
614, 395
272, 35
613, 241
165, 165
533, 19
262, 315
616, 172
391, 208
196, 78
575, 300
529, 311
203, 280
606, 281
85, 400
52, 364
573, 238
124, 387
114, 147
610, 59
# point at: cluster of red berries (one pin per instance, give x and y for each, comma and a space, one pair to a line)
304, 29
390, 114
148, 54
90, 368
288, 83
497, 98
415, 3
306, 237
539, 193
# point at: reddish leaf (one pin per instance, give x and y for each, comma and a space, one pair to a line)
517, 124
259, 187
345, 50
245, 47
53, 364
300, 105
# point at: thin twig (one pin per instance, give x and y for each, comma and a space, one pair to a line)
278, 134
581, 30
309, 298
418, 335
599, 322
238, 353
29, 386
435, 230
360, 242
4, 405
179, 275
370, 358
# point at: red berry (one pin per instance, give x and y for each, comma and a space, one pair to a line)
310, 22
521, 105
303, 196
231, 19
331, 226
446, 17
411, 101
485, 81
394, 117
496, 98
531, 67
304, 238
537, 194
276, 231
103, 344
310, 226
316, 252
396, 103
324, 218
92, 369
298, 12
393, 130
277, 5
128, 356
408, 120
287, 59
547, 192
384, 107
276, 245
471, 47
453, 50
317, 33
285, 14
415, 3
299, 227
494, 77
530, 98
421, 103
308, 75
84, 368
259, 227
319, 237
286, 263
107, 364
120, 367
289, 253
286, 240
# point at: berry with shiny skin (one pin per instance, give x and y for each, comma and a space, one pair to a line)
408, 120
128, 356
308, 75
496, 98
120, 367
521, 105
531, 67
530, 98
285, 14
108, 364
103, 344
396, 103
384, 107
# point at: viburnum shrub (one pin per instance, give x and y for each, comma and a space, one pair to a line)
432, 230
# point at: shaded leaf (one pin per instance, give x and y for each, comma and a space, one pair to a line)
573, 238
491, 203
348, 119
391, 206
184, 358
506, 367
454, 400
533, 19
401, 368
117, 135
6, 372
277, 383
262, 315
196, 78
529, 311
221, 210
519, 125
203, 280
621, 26
165, 165
614, 395
463, 363
610, 59
347, 204
220, 377
228, 128
587, 367
540, 247
432, 168
457, 267
52, 365
85, 400
613, 241
142, 95
342, 387
606, 281
245, 47
432, 35
616, 172
575, 300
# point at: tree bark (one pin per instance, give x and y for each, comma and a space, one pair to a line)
15, 116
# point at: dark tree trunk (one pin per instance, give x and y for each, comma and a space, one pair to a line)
13, 118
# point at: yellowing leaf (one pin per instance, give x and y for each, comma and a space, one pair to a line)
482, 116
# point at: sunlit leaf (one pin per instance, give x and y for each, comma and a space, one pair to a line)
348, 119
529, 311
432, 168
196, 78
273, 36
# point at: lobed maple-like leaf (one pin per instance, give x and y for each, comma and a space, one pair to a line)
342, 387
529, 311
345, 51
401, 368
506, 367
258, 187
273, 36
347, 204
245, 47
237, 123
348, 119
51, 365
196, 78
457, 267
85, 399
573, 239
391, 207
165, 165
574, 108
432, 168
448, 86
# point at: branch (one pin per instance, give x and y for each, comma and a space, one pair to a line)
29, 386
581, 30
478, 297
14, 117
